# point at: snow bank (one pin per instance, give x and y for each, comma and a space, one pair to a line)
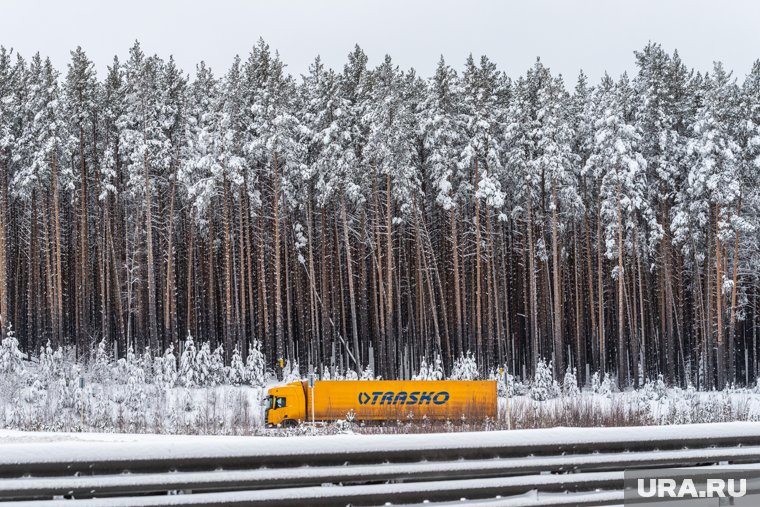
19, 447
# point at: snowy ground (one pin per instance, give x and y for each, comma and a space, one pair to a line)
236, 410
148, 395
19, 446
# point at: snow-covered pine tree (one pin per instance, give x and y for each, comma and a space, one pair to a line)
147, 151
186, 375
662, 117
101, 369
136, 396
80, 114
442, 126
570, 383
712, 198
367, 374
554, 159
617, 163
10, 355
214, 170
465, 368
236, 371
216, 367
435, 370
332, 153
483, 89
544, 387
423, 374
255, 368
203, 365
389, 152
169, 364
42, 145
146, 363
47, 365
273, 142
11, 85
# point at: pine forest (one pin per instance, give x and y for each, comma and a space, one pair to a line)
376, 218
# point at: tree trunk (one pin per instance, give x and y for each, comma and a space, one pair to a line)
621, 352
559, 342
152, 317
478, 295
278, 322
350, 276
721, 361
390, 360
228, 333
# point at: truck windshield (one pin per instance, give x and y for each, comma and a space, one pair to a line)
268, 403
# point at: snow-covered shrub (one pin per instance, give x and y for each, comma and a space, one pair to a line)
291, 372
570, 384
101, 369
146, 363
186, 369
203, 365
351, 375
368, 373
343, 426
135, 399
423, 373
501, 387
465, 368
612, 379
544, 387
604, 387
35, 392
254, 365
236, 371
10, 355
654, 390
186, 375
169, 368
65, 387
434, 371
121, 371
157, 367
595, 382
216, 367
513, 387
47, 369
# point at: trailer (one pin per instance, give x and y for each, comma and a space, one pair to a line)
381, 400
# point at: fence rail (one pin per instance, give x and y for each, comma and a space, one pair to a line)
532, 467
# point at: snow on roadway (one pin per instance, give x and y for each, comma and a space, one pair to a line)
24, 447
327, 474
347, 493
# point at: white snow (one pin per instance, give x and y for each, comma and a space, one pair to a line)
21, 447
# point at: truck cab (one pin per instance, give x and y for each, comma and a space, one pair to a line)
285, 405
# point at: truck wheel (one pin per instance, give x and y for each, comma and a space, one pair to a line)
289, 423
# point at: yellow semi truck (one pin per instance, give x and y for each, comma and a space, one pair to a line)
380, 400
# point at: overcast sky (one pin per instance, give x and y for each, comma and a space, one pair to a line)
595, 35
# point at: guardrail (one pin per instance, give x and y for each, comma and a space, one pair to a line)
584, 466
